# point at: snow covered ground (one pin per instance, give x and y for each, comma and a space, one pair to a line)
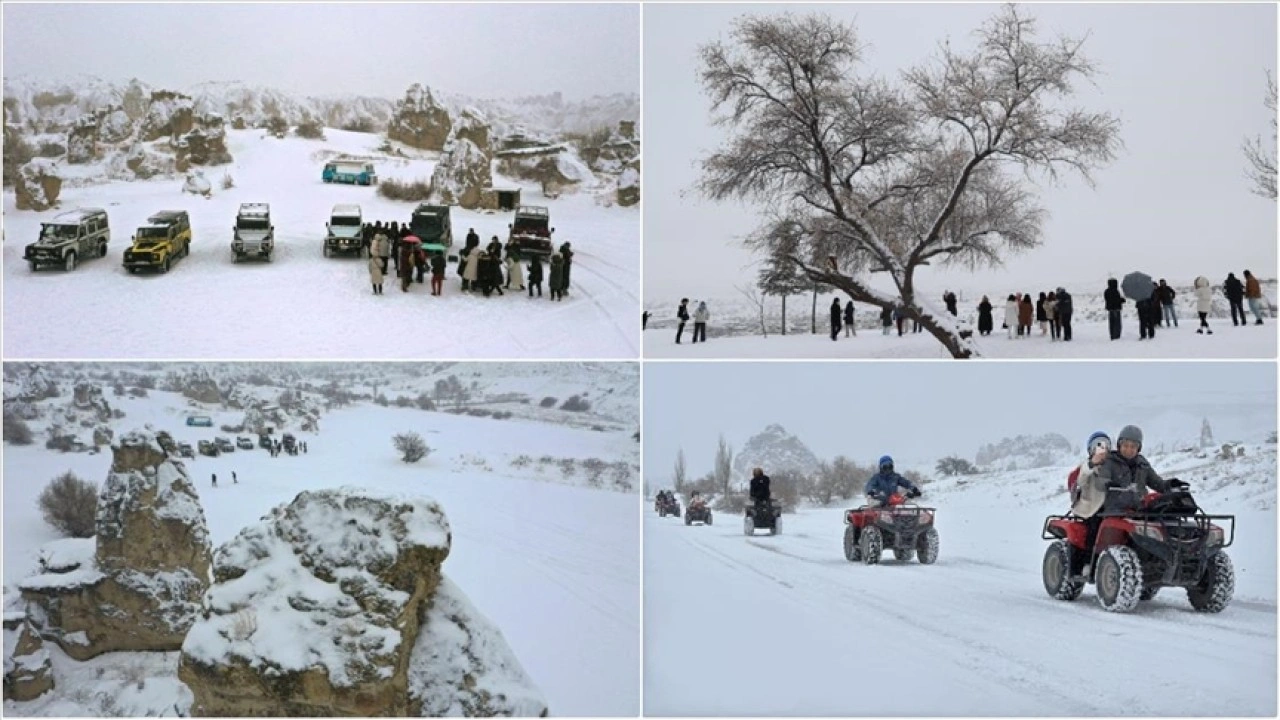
554, 566
784, 625
303, 305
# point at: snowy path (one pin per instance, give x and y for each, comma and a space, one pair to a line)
784, 625
304, 305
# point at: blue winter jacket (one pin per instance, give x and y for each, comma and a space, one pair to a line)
885, 485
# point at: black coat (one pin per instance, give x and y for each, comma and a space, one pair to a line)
848, 313
760, 488
836, 314
1233, 288
984, 317
1113, 298
437, 264
950, 300
1040, 315
886, 317
535, 271
1064, 303
682, 312
1165, 295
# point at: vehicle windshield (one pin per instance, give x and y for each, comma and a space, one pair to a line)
153, 232
534, 225
427, 222
345, 220
252, 223
54, 233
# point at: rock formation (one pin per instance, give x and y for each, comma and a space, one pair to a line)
462, 175
37, 185
420, 121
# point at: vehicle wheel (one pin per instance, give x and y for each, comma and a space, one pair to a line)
33, 266
1149, 592
748, 526
168, 263
326, 251
1216, 587
852, 552
777, 527
872, 545
1119, 579
102, 250
1056, 572
132, 270
904, 555
69, 262
708, 518
927, 547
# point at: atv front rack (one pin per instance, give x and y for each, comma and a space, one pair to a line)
1201, 520
916, 510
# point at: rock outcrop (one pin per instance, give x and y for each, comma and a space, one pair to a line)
462, 175
471, 125
420, 121
141, 587
774, 449
170, 115
628, 193
204, 145
82, 141
197, 184
28, 671
37, 185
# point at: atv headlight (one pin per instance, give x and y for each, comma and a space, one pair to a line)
1149, 530
1216, 535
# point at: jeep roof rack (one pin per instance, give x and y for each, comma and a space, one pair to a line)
167, 217
537, 210
255, 209
76, 216
346, 209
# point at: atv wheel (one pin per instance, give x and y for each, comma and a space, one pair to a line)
1216, 587
777, 527
1056, 572
1119, 579
1149, 592
927, 547
852, 552
69, 262
872, 543
904, 555
748, 526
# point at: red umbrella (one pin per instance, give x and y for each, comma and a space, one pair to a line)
412, 239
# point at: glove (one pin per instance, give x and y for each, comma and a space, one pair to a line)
914, 493
1175, 483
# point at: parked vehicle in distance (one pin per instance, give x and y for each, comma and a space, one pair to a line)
199, 421
531, 231
432, 224
349, 170
344, 231
254, 236
70, 237
166, 237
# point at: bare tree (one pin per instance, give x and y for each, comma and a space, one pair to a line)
781, 277
680, 473
1262, 158
757, 301
723, 466
861, 176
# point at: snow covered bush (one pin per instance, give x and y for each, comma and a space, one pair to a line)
277, 126
228, 182
16, 431
949, 466
576, 403
547, 402
411, 446
310, 128
418, 190
70, 505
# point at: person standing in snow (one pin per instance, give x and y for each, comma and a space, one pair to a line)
515, 272
420, 262
567, 254
682, 315
473, 238
406, 266
1026, 312
1234, 290
1204, 304
644, 319
700, 318
375, 273
471, 271
1011, 314
1114, 301
1042, 317
1064, 313
234, 479
1168, 310
949, 298
1051, 314
1253, 293
495, 247
215, 479
985, 321
393, 234
381, 247
438, 265
1147, 317
556, 277
886, 320
836, 314
849, 329
535, 275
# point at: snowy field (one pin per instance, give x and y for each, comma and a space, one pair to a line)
784, 625
555, 567
303, 305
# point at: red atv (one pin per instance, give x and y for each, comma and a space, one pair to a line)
1169, 542
906, 529
667, 505
697, 511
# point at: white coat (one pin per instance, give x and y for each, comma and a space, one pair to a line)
471, 270
1204, 295
701, 315
375, 270
516, 272
380, 246
1011, 314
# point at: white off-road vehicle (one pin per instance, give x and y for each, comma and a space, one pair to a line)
254, 235
70, 237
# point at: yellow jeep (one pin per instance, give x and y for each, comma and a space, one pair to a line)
165, 238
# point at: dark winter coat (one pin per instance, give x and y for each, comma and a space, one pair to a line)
1127, 481
882, 485
886, 317
473, 240
1233, 288
985, 321
836, 314
535, 271
556, 279
1165, 295
438, 264
760, 488
682, 313
1040, 313
848, 313
950, 300
1112, 296
490, 271
462, 259
1025, 311
1252, 288
1064, 303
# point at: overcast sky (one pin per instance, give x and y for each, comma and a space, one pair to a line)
1187, 81
486, 51
918, 412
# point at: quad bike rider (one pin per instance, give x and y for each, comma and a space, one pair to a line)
762, 513
1131, 542
697, 510
667, 504
886, 521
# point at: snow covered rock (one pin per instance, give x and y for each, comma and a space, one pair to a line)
461, 665
28, 671
314, 611
207, 146
145, 163
82, 141
38, 185
149, 569
472, 126
197, 184
420, 121
774, 449
35, 386
462, 175
169, 115
115, 126
629, 187
1025, 452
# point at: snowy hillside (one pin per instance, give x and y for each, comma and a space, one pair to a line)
765, 624
734, 331
291, 306
564, 595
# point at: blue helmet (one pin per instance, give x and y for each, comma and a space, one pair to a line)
1094, 439
886, 460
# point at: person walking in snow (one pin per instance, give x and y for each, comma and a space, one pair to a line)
375, 273
985, 321
700, 318
1253, 293
1165, 294
1011, 314
556, 278
234, 479
1114, 301
1204, 304
837, 313
949, 298
535, 275
471, 271
1026, 311
849, 329
886, 320
567, 253
1064, 313
215, 479
1234, 290
682, 316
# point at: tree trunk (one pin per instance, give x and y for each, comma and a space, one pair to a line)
813, 321
784, 314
